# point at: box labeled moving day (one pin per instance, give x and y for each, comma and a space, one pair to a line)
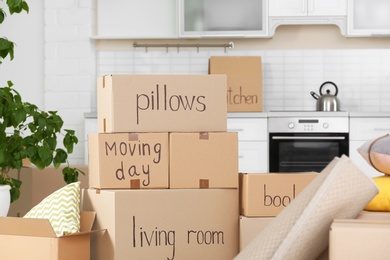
35, 239
203, 160
244, 80
128, 160
164, 224
266, 194
161, 103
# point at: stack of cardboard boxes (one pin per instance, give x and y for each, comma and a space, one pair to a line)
163, 169
262, 195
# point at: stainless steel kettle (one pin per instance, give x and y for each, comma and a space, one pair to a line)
328, 101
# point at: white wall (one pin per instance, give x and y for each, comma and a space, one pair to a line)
26, 70
69, 64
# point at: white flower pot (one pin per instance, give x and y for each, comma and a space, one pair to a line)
5, 200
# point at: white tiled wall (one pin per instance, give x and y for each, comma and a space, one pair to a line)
72, 65
69, 77
362, 75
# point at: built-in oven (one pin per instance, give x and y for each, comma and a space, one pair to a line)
306, 141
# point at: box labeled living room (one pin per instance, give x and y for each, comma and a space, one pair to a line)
164, 223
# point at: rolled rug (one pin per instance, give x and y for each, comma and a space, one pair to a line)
301, 230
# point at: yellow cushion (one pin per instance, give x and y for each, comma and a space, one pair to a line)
381, 202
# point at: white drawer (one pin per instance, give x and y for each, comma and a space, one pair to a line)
368, 128
253, 157
249, 128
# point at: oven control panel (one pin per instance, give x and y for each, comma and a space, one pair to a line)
307, 125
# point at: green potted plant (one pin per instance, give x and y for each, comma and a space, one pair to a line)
26, 132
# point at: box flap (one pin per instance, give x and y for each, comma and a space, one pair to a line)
82, 233
37, 227
26, 227
86, 220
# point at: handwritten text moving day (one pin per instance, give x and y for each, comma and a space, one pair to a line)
130, 151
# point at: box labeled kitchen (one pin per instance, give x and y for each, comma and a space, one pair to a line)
203, 160
128, 160
161, 103
35, 239
244, 81
164, 224
266, 194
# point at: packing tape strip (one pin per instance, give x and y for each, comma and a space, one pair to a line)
203, 183
135, 184
133, 137
204, 136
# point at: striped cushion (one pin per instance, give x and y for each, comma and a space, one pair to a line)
62, 208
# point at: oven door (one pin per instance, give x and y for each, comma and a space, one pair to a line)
303, 152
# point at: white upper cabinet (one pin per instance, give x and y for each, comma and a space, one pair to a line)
136, 19
222, 18
307, 7
173, 19
368, 18
307, 12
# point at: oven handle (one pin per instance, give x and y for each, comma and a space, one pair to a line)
308, 137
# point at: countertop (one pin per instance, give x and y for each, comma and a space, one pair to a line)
369, 114
265, 114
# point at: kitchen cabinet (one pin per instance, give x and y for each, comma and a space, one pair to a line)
307, 12
362, 129
222, 18
307, 7
252, 140
136, 19
368, 18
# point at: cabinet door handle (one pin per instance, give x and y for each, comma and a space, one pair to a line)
311, 6
381, 129
303, 6
236, 130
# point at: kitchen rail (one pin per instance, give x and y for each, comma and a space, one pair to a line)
229, 45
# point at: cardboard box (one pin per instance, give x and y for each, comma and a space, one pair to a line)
128, 160
244, 80
35, 239
359, 239
203, 160
38, 184
164, 224
265, 195
162, 103
251, 227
